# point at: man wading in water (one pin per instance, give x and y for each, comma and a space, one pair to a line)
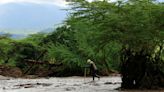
93, 69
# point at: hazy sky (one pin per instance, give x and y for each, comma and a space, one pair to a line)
55, 2
61, 3
28, 16
31, 16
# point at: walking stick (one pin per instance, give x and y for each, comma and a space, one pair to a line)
84, 73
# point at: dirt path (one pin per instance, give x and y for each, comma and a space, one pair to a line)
66, 84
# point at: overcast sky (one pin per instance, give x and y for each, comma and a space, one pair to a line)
55, 2
31, 14
61, 3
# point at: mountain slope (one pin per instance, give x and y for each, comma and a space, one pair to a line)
30, 16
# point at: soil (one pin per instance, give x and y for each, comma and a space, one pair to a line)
10, 71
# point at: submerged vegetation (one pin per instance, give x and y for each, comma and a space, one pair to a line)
125, 36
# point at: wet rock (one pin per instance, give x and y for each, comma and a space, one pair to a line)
76, 85
57, 86
113, 83
70, 89
25, 86
44, 84
106, 83
28, 86
117, 83
95, 84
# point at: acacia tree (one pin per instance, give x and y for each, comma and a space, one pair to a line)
6, 50
135, 24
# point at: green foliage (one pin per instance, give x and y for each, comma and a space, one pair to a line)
6, 50
133, 24
96, 30
35, 38
26, 51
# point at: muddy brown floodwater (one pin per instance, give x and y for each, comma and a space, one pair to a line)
65, 84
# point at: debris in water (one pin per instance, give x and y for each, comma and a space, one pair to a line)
70, 89
108, 83
33, 85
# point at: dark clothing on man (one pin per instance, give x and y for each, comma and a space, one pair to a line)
93, 70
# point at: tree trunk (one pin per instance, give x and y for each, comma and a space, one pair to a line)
139, 71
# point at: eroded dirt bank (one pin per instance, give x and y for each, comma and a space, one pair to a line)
64, 84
